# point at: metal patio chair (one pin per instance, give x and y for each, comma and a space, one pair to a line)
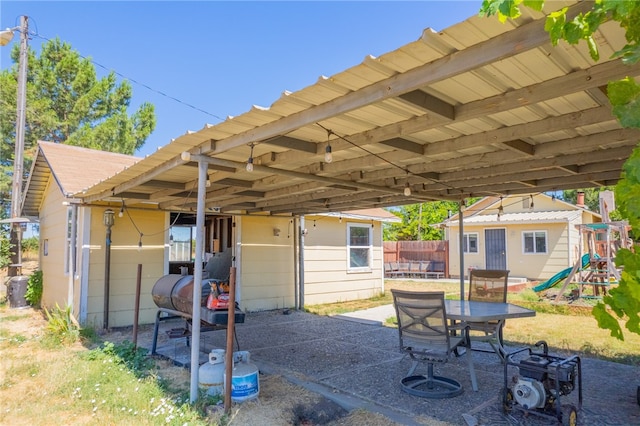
426, 336
488, 285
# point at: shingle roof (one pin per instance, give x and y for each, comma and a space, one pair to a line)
72, 168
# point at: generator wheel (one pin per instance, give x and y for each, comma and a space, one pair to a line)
507, 400
569, 415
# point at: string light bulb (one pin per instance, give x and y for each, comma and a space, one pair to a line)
250, 160
407, 190
328, 156
500, 209
121, 212
140, 243
171, 240
531, 203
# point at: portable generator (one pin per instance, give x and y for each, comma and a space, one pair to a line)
541, 383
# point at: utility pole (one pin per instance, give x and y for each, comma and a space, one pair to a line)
15, 268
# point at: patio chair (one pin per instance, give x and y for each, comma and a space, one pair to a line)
488, 285
426, 336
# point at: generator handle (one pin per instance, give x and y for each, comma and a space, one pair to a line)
545, 347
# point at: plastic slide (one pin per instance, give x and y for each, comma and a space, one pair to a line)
560, 276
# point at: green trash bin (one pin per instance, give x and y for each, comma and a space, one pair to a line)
16, 291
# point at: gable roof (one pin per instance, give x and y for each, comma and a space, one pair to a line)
72, 168
481, 108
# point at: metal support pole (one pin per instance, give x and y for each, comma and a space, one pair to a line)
107, 277
197, 280
461, 244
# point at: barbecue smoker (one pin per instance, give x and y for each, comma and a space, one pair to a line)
173, 295
542, 382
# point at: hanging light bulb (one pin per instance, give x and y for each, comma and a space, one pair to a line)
531, 203
328, 156
140, 243
250, 160
171, 240
500, 209
407, 190
121, 213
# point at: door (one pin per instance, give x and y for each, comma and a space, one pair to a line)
495, 248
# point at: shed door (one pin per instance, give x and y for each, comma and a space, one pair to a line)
495, 247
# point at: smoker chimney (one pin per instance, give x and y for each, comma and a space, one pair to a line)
580, 199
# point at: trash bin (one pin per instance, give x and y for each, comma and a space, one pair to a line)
16, 291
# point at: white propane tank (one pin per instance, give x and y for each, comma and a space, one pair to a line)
245, 384
211, 374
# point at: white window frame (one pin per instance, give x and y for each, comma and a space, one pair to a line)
466, 245
67, 239
534, 234
369, 247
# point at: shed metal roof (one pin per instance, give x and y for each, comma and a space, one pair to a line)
481, 108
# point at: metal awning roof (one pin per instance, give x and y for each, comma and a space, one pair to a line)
481, 108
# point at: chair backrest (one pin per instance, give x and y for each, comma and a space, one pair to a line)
488, 285
422, 322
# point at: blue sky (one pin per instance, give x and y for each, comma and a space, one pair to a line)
224, 57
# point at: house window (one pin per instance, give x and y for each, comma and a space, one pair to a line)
183, 247
534, 242
470, 243
67, 239
359, 246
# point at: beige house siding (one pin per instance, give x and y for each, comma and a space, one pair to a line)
327, 275
125, 257
563, 238
265, 263
53, 244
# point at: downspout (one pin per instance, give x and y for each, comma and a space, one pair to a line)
301, 263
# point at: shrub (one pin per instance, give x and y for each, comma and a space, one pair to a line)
126, 353
62, 324
33, 295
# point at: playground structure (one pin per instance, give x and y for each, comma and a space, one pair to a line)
596, 268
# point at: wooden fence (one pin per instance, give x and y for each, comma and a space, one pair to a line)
417, 251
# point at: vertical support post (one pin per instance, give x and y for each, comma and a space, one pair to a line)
197, 280
461, 245
296, 281
136, 308
107, 270
231, 323
301, 263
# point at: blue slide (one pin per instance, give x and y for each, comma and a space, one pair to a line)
560, 276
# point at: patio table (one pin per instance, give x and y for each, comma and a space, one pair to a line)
474, 311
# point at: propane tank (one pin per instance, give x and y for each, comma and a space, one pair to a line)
211, 374
245, 384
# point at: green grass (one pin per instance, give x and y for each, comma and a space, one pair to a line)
567, 328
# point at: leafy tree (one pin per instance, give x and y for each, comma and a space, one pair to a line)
624, 95
591, 196
418, 220
67, 103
